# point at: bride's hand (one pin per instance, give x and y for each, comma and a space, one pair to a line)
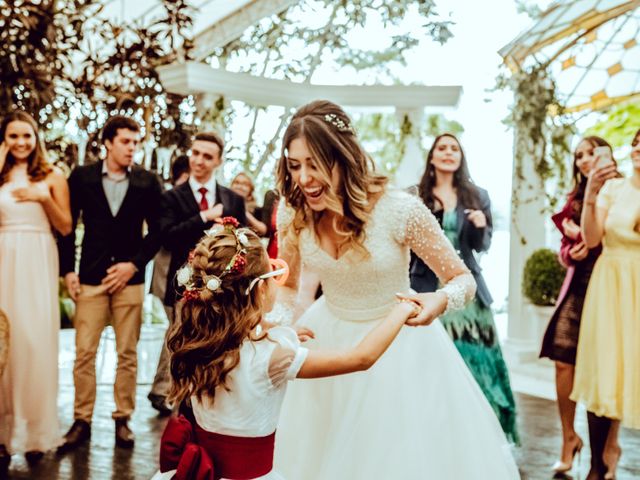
432, 304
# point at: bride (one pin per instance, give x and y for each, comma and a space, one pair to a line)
417, 414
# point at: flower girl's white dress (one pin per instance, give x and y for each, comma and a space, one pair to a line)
251, 405
418, 413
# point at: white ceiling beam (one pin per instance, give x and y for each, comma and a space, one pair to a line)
194, 78
233, 25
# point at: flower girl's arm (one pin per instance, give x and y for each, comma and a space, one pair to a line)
326, 364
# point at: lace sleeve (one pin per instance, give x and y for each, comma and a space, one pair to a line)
420, 231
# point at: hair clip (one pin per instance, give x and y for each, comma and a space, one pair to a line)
337, 122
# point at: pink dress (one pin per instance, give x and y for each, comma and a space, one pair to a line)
29, 297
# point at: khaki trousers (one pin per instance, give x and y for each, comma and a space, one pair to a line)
95, 307
162, 380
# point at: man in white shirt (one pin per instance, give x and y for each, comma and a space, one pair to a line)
187, 211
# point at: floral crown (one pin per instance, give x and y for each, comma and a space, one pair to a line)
237, 264
337, 122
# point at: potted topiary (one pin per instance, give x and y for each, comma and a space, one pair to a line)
541, 282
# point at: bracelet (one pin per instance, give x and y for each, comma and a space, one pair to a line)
455, 297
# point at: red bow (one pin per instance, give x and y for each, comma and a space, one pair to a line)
178, 451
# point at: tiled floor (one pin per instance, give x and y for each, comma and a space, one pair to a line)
101, 461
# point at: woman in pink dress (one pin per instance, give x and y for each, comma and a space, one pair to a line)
34, 200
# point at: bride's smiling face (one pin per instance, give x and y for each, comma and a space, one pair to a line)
307, 176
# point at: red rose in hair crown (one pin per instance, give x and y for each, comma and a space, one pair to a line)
229, 222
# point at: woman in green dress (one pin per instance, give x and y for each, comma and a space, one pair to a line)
464, 212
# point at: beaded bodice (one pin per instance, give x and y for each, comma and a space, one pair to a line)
362, 287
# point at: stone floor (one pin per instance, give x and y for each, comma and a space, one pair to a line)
101, 461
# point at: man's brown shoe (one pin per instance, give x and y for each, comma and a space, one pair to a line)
124, 436
79, 433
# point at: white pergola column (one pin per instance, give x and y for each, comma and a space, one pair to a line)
412, 163
523, 342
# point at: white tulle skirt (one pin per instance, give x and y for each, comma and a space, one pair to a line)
417, 414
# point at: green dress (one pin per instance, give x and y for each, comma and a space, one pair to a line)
474, 334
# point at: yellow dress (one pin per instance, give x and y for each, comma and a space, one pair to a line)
607, 376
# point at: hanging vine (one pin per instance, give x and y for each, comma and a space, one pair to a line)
543, 134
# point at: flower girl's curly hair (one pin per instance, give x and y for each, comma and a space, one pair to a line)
211, 326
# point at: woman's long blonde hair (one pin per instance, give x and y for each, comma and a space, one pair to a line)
209, 330
327, 130
38, 167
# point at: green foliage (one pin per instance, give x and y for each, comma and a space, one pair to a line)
530, 8
38, 41
295, 43
542, 135
619, 125
542, 277
437, 124
66, 64
384, 134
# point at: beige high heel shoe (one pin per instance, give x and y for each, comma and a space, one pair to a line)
564, 467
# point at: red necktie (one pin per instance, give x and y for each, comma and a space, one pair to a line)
204, 205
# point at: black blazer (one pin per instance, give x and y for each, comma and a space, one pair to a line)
470, 238
182, 226
108, 239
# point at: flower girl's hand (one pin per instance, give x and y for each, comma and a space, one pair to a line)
304, 333
432, 303
408, 307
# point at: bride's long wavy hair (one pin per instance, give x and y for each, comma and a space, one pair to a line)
205, 340
327, 130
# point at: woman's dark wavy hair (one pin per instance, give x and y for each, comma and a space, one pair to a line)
466, 190
37, 165
205, 340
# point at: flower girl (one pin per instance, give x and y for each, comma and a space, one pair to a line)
230, 369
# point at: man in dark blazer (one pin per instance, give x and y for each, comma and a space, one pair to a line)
187, 211
115, 198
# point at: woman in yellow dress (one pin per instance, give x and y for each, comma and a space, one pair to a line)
608, 359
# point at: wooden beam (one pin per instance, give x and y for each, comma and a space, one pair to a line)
193, 78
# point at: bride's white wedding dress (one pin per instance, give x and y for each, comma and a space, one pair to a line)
418, 413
